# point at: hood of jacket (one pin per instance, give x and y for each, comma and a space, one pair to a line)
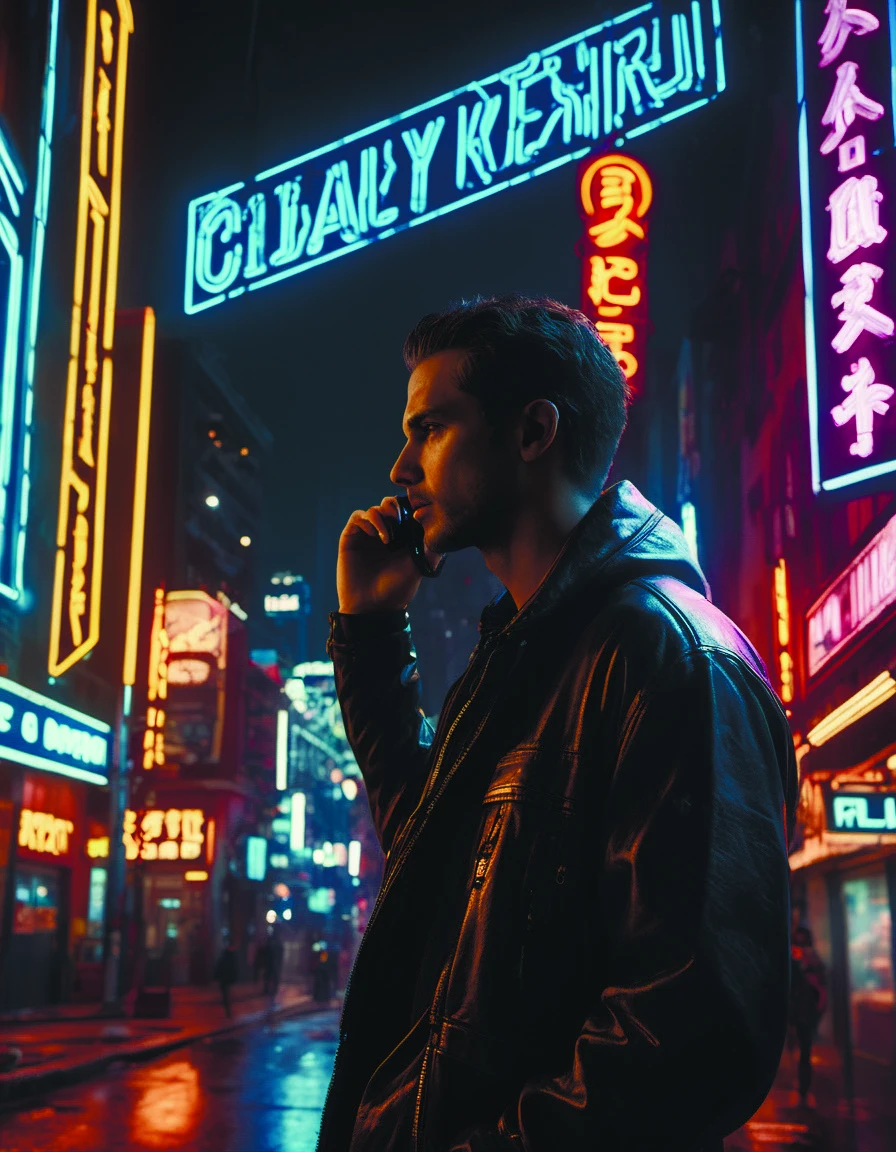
621, 537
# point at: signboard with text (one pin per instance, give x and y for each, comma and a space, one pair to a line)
615, 193
872, 812
847, 124
857, 598
609, 83
40, 733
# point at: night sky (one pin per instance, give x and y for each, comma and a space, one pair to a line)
220, 89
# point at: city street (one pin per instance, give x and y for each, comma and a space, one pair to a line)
257, 1090
262, 1088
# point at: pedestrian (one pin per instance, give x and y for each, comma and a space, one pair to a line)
261, 965
808, 1001
225, 973
611, 779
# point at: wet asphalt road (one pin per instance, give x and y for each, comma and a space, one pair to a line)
257, 1090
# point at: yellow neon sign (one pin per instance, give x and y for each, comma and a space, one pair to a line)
157, 694
98, 847
615, 193
164, 834
44, 832
77, 585
782, 616
138, 522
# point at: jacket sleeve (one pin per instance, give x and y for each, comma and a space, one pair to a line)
684, 1025
378, 686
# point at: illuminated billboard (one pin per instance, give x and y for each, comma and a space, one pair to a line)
75, 621
615, 194
612, 82
846, 73
196, 636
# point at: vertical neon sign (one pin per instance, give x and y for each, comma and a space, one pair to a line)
75, 622
846, 76
615, 193
782, 630
20, 280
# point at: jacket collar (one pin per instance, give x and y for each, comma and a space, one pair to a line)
621, 537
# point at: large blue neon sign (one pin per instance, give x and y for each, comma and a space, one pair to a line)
614, 81
20, 278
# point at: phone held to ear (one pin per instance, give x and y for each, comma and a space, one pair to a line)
407, 533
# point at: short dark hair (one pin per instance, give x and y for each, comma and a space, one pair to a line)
521, 348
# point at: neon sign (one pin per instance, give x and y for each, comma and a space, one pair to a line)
782, 631
157, 688
865, 590
75, 621
846, 76
615, 193
19, 308
614, 81
164, 834
39, 733
45, 833
285, 603
867, 812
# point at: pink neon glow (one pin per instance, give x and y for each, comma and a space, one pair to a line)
858, 316
864, 400
855, 217
847, 102
851, 154
841, 22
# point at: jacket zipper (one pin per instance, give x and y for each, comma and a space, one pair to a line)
435, 1012
387, 885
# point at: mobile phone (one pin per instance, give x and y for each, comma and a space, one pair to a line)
407, 533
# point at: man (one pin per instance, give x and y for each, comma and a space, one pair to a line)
581, 940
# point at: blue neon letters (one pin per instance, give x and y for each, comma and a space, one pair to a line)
614, 81
20, 278
40, 733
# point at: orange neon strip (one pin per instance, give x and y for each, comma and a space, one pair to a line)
138, 523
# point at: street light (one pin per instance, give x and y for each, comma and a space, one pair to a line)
245, 541
212, 501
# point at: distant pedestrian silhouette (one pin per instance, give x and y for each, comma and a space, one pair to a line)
808, 1000
225, 974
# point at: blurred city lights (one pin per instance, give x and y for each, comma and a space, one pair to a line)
245, 541
212, 501
350, 788
271, 916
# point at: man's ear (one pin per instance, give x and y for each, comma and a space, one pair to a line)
540, 421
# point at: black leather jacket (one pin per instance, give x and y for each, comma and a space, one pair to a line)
582, 936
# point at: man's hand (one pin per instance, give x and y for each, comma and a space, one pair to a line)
370, 577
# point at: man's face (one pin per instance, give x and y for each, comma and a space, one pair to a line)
453, 465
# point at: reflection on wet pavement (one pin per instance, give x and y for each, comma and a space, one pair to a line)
261, 1090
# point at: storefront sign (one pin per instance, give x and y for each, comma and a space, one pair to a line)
619, 79
75, 621
856, 598
195, 631
846, 63
43, 832
164, 834
98, 847
40, 733
285, 604
615, 194
862, 812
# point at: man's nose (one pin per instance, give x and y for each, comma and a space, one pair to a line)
406, 471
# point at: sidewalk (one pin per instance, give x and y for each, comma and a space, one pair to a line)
77, 1041
830, 1122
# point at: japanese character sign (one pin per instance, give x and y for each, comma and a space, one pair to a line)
615, 193
164, 834
848, 182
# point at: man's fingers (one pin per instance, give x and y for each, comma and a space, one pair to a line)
359, 521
